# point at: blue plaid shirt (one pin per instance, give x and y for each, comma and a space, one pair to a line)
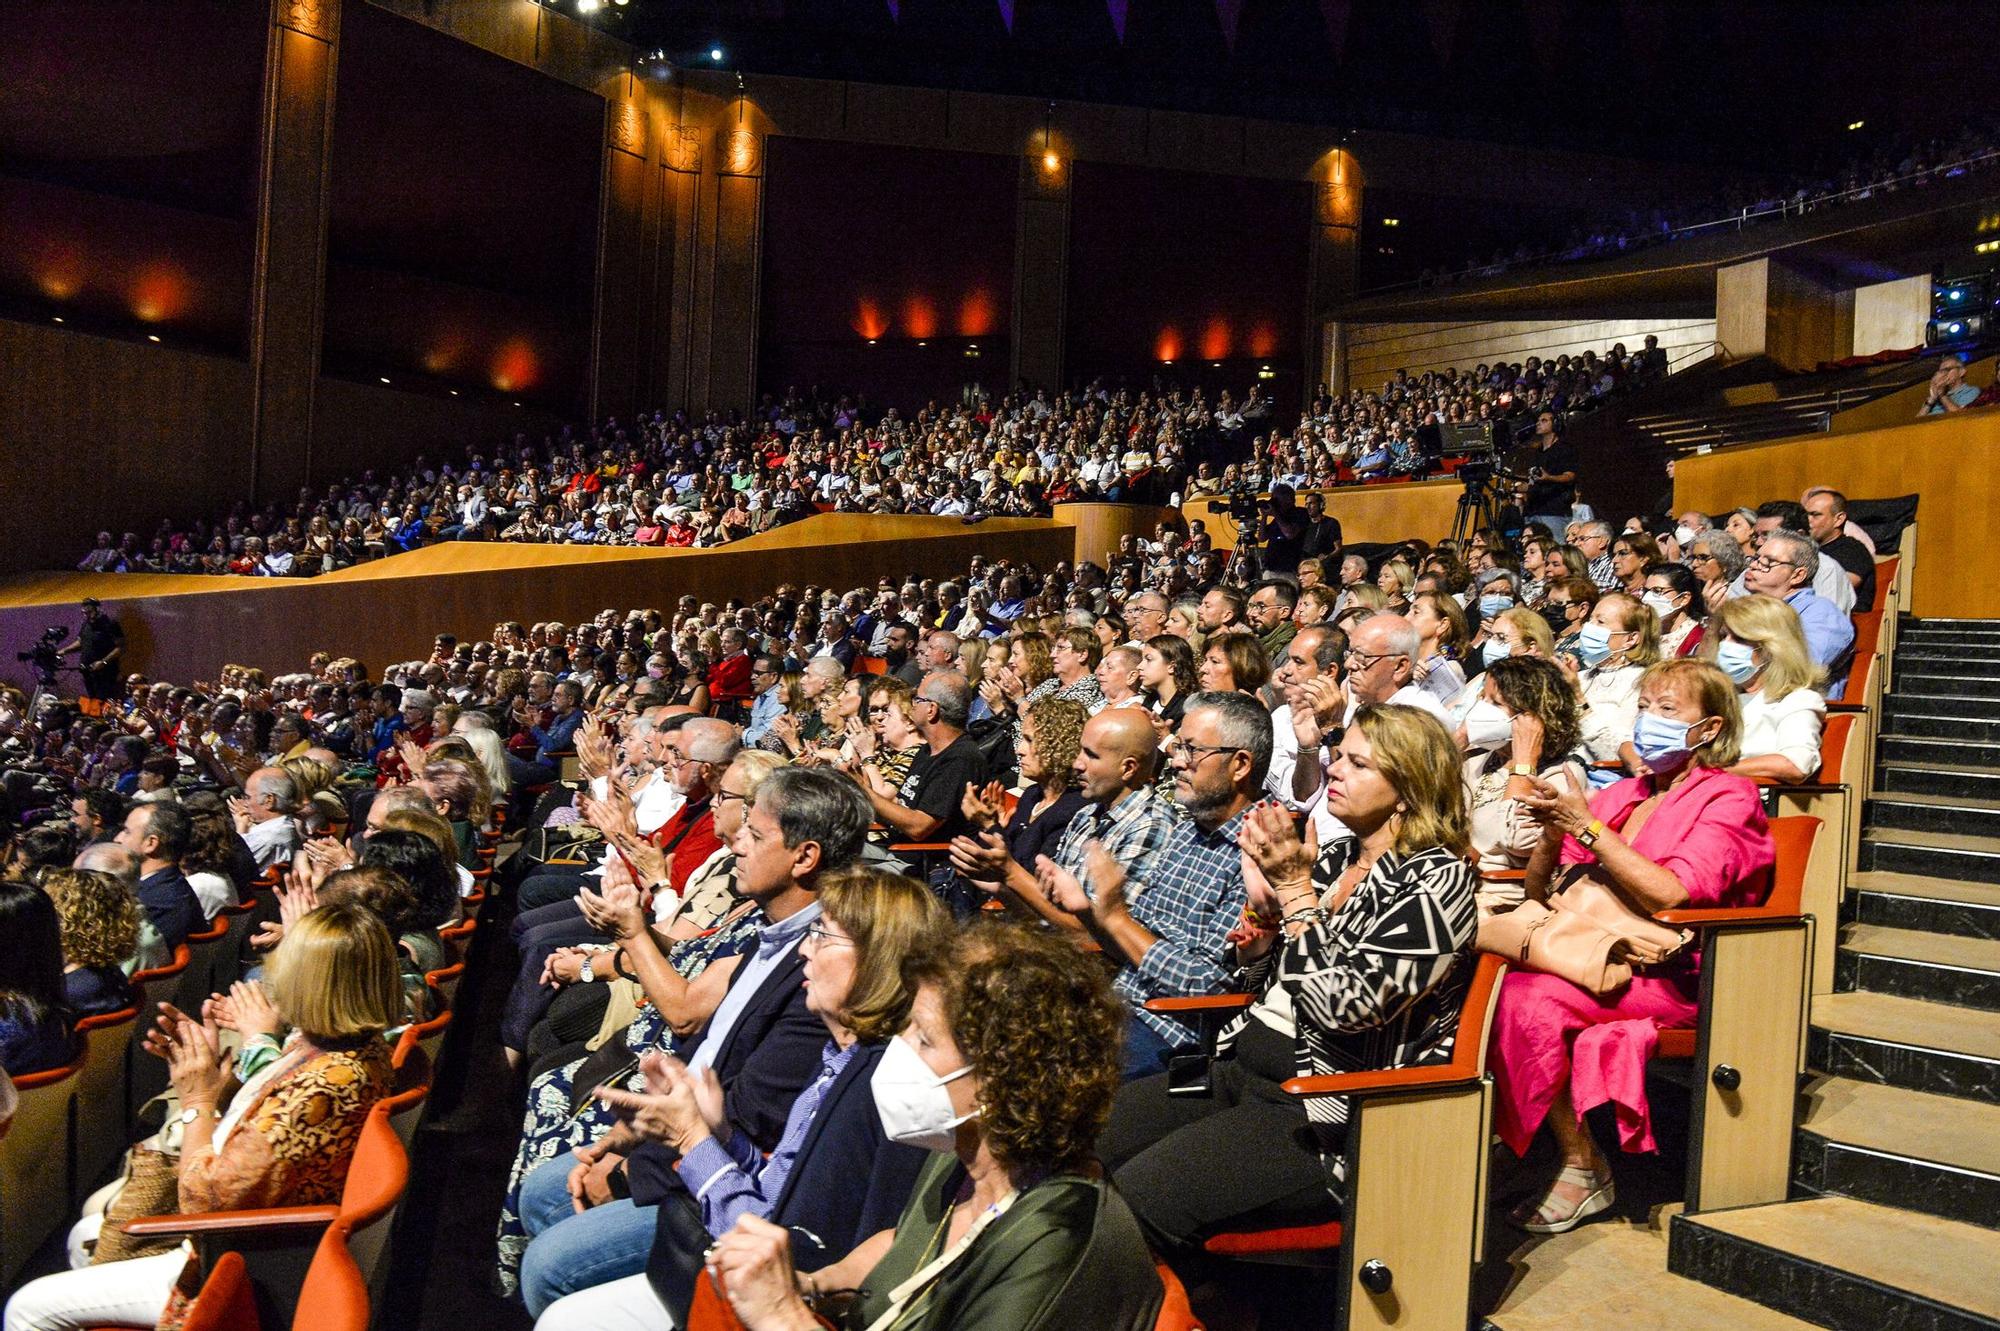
1192, 899
1134, 829
732, 1178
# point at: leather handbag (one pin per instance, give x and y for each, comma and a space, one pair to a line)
1586, 934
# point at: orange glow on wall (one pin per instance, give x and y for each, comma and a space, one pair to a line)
978, 316
58, 282
1167, 346
920, 317
515, 366
159, 292
1263, 340
445, 355
1215, 339
869, 321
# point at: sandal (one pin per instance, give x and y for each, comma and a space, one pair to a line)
1548, 1215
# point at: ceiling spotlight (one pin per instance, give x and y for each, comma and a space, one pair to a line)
1051, 162
152, 337
454, 392
715, 54
58, 318
1853, 125
588, 6
384, 378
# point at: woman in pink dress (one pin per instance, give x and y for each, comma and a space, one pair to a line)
1684, 834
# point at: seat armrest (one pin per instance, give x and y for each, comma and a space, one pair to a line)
224, 1222
1697, 919
1200, 1003
1382, 1082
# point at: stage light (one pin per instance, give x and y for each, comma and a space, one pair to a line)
58, 318
1986, 247
1853, 125
454, 392
871, 341
715, 54
1392, 221
588, 6
384, 378
1957, 296
152, 337
1051, 162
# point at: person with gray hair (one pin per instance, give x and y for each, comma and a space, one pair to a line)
927, 806
1594, 538
1381, 667
1784, 568
264, 815
1714, 557
1171, 938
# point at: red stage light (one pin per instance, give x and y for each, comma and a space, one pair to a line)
159, 292
1215, 339
1167, 346
920, 317
868, 318
515, 366
1263, 340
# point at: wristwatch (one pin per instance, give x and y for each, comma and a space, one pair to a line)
193, 1112
587, 975
1587, 838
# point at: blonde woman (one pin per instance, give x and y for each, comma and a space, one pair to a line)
282, 1138
1757, 641
1395, 579
1617, 643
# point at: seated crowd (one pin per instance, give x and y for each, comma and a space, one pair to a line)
839, 912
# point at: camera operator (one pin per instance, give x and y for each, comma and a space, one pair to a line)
1552, 487
98, 647
1282, 529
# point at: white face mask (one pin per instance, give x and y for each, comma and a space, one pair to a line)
912, 1100
1659, 604
1487, 725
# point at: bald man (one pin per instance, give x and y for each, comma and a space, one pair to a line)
1114, 767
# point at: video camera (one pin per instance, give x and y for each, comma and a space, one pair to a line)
44, 655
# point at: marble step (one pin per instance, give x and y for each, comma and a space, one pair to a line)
1933, 854
1974, 719
1908, 1042
1941, 751
1909, 963
1963, 780
1962, 815
1931, 905
1846, 1264
1954, 681
1932, 1153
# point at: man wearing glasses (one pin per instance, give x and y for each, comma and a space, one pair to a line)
1828, 581
1784, 567
768, 702
1169, 932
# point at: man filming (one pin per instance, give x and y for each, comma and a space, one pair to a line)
99, 645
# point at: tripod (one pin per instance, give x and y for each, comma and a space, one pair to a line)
1476, 510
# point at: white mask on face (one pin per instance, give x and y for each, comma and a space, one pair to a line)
1487, 725
913, 1102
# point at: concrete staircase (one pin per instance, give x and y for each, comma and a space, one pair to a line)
1895, 1219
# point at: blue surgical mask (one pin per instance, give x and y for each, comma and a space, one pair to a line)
1495, 604
1736, 660
1661, 743
1494, 649
1593, 643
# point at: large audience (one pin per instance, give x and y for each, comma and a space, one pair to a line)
839, 911
676, 481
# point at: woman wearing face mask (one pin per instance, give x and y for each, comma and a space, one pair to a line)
1332, 992
1761, 647
835, 1178
1525, 727
1673, 594
1565, 606
1441, 635
1615, 646
1684, 834
1006, 1071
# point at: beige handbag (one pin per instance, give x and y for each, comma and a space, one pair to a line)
1586, 934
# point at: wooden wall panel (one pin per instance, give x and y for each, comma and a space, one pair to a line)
1951, 462
1099, 527
103, 434
1742, 300
1374, 352
184, 628
1890, 316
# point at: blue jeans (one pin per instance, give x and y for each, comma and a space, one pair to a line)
1145, 1052
571, 1250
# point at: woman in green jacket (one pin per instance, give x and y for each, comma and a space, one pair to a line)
1007, 1068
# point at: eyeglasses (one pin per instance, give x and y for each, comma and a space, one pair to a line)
821, 936
1368, 659
1178, 750
724, 796
1770, 561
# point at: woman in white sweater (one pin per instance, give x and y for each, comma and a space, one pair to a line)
1758, 642
1620, 640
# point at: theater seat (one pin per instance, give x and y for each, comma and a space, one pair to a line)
332, 1297
35, 1174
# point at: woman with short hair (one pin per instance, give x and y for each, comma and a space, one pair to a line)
1234, 663
1760, 645
284, 1137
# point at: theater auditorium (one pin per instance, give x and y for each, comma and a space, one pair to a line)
999, 665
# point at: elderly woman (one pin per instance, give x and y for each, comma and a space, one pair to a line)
282, 1138
1684, 833
836, 1178
1718, 560
1331, 992
1006, 1073
1759, 644
1525, 726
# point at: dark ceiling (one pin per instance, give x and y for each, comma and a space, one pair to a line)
1759, 83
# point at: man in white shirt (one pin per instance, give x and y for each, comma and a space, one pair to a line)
1312, 653
264, 816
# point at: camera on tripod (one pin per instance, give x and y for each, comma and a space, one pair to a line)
44, 655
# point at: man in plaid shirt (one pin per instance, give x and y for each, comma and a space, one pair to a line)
1169, 930
1114, 770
